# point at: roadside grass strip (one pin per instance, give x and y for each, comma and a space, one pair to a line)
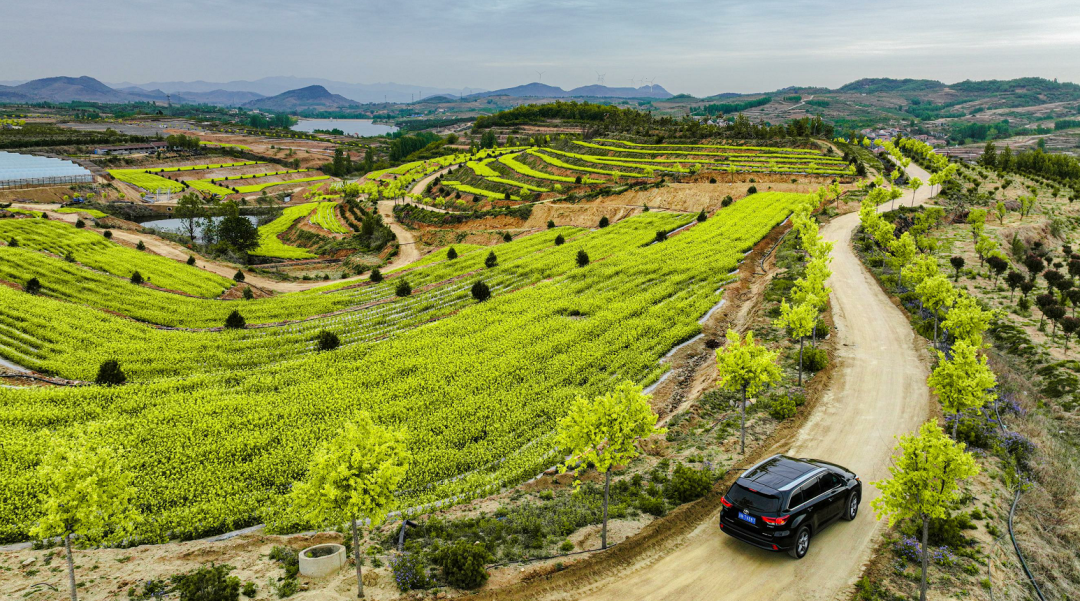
269, 243
96, 252
325, 218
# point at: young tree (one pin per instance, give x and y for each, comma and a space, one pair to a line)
957, 263
582, 258
745, 367
924, 483
189, 210
1068, 326
963, 382
1027, 203
998, 265
799, 320
903, 250
966, 321
936, 293
353, 477
1034, 265
915, 184
604, 432
84, 492
491, 260
1000, 210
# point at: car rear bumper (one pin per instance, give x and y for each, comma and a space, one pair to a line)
736, 531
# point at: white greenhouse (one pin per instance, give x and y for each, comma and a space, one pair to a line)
25, 170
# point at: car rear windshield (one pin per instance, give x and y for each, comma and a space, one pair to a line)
745, 498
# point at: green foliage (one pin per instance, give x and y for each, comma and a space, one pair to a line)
480, 291
603, 222
327, 340
688, 484
403, 288
409, 572
235, 321
815, 359
208, 583
110, 374
782, 408
451, 254
604, 431
964, 382
32, 286
582, 258
376, 276
491, 260
238, 276
248, 294
746, 366
463, 564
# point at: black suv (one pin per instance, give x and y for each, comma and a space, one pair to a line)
781, 502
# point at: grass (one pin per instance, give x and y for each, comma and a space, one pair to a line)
325, 218
269, 243
96, 214
258, 187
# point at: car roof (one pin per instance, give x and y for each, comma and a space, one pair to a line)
779, 473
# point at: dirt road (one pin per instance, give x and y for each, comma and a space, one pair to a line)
407, 251
878, 391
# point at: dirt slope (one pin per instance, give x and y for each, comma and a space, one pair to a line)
878, 392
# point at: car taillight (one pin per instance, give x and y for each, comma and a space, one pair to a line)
725, 502
780, 521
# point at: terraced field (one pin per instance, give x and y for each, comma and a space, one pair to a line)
217, 422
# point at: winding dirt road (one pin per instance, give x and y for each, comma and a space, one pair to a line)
407, 251
878, 392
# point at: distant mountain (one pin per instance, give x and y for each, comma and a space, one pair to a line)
311, 97
213, 98
68, 89
271, 86
886, 85
541, 90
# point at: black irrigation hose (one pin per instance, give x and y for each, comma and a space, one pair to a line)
1012, 511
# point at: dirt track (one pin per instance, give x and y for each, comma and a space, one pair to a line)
878, 391
407, 251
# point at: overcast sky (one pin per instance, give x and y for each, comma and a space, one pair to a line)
689, 46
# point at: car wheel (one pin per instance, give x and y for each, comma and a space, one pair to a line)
851, 508
802, 543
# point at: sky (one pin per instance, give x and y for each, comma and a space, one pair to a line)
691, 46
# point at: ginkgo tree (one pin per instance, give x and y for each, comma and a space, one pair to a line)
914, 184
936, 293
963, 382
799, 320
604, 432
354, 477
924, 482
745, 367
85, 492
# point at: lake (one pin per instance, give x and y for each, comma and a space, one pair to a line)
177, 226
360, 127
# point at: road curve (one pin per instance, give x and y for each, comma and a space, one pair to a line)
878, 392
407, 251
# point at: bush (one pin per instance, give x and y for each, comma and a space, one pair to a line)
140, 246
13, 243
248, 294
238, 276
582, 258
80, 224
651, 505
481, 292
110, 374
409, 573
462, 564
376, 276
403, 288
107, 234
751, 190
451, 254
507, 237
249, 590
190, 259
136, 278
288, 558
566, 546
687, 484
783, 408
559, 240
69, 257
727, 201
604, 222
577, 180
32, 286
327, 340
550, 224
235, 321
701, 217
815, 359
712, 180
491, 260
208, 583
644, 208
661, 235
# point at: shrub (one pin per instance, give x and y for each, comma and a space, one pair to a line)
69, 257
604, 222
644, 208
13, 243
727, 201
110, 374
409, 573
327, 340
491, 260
559, 240
566, 546
403, 288
815, 359
288, 558
238, 276
451, 254
582, 258
462, 564
687, 484
190, 259
376, 276
550, 224
783, 408
248, 294
32, 286
701, 217
107, 234
577, 180
249, 590
651, 505
80, 224
481, 292
208, 583
712, 180
751, 190
507, 237
140, 246
661, 235
235, 321
136, 278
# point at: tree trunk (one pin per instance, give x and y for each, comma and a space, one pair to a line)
742, 423
603, 529
359, 561
800, 359
913, 198
956, 422
935, 329
813, 338
925, 557
71, 567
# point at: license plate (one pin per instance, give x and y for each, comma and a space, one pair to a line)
747, 518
